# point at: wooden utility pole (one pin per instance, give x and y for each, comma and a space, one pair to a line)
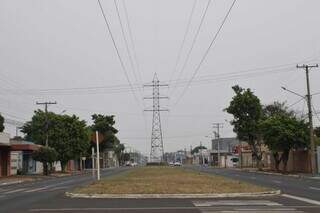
46, 118
313, 147
218, 126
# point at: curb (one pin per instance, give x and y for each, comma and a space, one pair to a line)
177, 196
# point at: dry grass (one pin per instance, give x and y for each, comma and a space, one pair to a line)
166, 180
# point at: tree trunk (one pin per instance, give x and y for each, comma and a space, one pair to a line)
257, 156
284, 158
45, 168
277, 160
63, 166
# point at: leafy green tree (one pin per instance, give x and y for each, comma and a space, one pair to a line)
317, 134
247, 113
1, 123
118, 149
282, 131
68, 135
70, 138
104, 124
45, 155
126, 157
197, 149
35, 130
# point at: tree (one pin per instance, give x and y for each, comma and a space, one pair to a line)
1, 123
70, 139
119, 152
247, 112
197, 149
104, 124
317, 134
68, 135
282, 131
45, 155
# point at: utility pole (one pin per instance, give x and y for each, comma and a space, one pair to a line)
218, 126
98, 156
157, 151
313, 148
46, 118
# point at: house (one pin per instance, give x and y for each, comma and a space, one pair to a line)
224, 147
16, 156
202, 157
21, 157
4, 154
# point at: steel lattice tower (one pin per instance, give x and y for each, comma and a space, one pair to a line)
157, 151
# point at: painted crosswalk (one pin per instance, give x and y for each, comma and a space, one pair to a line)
8, 192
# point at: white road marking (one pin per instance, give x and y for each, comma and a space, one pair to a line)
307, 200
314, 188
253, 178
261, 211
277, 181
37, 189
17, 190
56, 188
235, 203
275, 209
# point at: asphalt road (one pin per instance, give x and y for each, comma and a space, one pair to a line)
49, 196
302, 187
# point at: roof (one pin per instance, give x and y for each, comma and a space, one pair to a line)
21, 145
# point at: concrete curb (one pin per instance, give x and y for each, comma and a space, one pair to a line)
177, 196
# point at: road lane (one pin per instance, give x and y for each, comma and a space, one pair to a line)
301, 187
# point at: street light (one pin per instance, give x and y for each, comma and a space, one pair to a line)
295, 93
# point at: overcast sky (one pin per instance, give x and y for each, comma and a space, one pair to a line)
62, 44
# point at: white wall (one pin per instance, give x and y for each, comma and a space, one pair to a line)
4, 138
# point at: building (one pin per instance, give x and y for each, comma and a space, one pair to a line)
16, 156
21, 157
224, 148
4, 154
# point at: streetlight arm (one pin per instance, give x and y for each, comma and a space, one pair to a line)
285, 89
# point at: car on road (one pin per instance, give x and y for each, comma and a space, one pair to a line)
177, 164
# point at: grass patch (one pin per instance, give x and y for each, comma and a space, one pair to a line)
166, 180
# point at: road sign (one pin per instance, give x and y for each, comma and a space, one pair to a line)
94, 138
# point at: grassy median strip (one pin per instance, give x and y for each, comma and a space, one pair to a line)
166, 180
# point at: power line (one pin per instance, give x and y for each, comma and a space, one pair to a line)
315, 112
298, 101
132, 40
114, 89
207, 51
184, 39
194, 40
117, 51
125, 40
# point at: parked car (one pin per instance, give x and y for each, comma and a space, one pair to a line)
134, 164
177, 164
171, 163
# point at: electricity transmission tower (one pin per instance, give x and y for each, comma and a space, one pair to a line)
157, 152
